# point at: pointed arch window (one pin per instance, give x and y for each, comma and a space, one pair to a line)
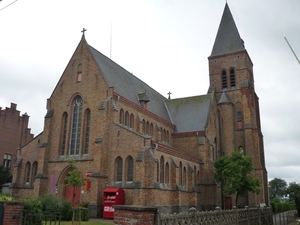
129, 166
27, 172
162, 172
224, 79
131, 121
76, 126
151, 129
87, 131
126, 118
79, 73
180, 173
239, 118
34, 171
147, 128
121, 119
64, 134
119, 168
232, 78
184, 176
167, 173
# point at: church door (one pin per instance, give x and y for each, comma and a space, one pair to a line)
228, 203
72, 194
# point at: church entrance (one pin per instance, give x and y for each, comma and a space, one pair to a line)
72, 194
228, 203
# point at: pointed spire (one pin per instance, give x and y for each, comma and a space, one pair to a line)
228, 39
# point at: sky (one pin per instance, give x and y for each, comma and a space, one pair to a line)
165, 43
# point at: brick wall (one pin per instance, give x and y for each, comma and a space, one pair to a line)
13, 213
134, 215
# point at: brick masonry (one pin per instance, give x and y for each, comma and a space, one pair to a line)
13, 213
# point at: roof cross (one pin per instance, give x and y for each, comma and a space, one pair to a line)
169, 95
83, 30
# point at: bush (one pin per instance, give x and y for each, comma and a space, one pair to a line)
52, 204
6, 198
282, 207
33, 211
84, 213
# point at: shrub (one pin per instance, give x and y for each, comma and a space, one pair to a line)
84, 213
6, 198
33, 211
282, 207
52, 204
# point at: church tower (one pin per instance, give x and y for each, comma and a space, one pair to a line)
231, 74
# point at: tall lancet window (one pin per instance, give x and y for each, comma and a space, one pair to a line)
79, 73
76, 126
224, 79
232, 78
87, 131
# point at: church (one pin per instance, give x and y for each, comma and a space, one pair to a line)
122, 134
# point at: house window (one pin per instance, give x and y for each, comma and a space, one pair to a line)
224, 79
64, 133
119, 169
232, 78
6, 160
76, 126
27, 172
129, 168
87, 131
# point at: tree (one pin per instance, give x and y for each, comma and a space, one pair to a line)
233, 172
277, 188
74, 178
5, 175
293, 191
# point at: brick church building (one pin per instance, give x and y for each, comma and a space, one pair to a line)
124, 134
14, 133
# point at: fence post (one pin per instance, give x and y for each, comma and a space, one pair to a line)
219, 214
192, 213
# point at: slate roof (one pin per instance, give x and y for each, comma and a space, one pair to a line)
228, 39
129, 86
224, 98
191, 113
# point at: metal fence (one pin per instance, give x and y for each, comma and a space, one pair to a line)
41, 218
246, 216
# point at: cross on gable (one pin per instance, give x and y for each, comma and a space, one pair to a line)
169, 94
83, 30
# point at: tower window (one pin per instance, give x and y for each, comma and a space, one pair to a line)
79, 73
224, 79
239, 120
232, 78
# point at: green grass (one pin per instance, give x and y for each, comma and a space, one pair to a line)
84, 223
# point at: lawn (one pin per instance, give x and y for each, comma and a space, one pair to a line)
85, 223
